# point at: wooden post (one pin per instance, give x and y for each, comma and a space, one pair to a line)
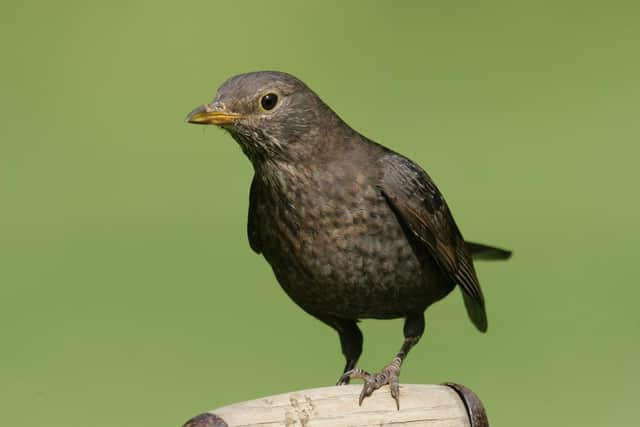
447, 405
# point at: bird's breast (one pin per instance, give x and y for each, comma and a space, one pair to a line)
335, 245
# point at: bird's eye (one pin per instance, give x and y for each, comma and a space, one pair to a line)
269, 101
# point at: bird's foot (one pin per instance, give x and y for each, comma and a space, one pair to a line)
388, 375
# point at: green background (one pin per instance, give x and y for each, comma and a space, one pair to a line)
129, 294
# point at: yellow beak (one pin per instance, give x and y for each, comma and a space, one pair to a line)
205, 115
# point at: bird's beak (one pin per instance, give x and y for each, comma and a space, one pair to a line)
211, 114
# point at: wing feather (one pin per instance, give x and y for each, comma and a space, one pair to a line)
252, 219
418, 203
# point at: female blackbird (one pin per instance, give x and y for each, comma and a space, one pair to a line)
351, 229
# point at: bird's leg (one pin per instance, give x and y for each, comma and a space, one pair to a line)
413, 329
350, 342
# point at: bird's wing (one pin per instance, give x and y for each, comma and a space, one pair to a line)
252, 220
421, 209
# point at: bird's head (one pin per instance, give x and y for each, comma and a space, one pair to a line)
272, 115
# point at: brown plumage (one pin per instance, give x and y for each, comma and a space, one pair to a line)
351, 229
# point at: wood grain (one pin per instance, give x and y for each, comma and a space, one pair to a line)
421, 405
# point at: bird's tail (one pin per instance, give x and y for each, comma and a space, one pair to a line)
484, 252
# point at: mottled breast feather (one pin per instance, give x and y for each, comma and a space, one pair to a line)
335, 245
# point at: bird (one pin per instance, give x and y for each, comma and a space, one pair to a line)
351, 229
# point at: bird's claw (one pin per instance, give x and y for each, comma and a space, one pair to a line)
343, 380
355, 373
372, 382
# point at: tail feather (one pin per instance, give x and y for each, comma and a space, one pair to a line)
485, 252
